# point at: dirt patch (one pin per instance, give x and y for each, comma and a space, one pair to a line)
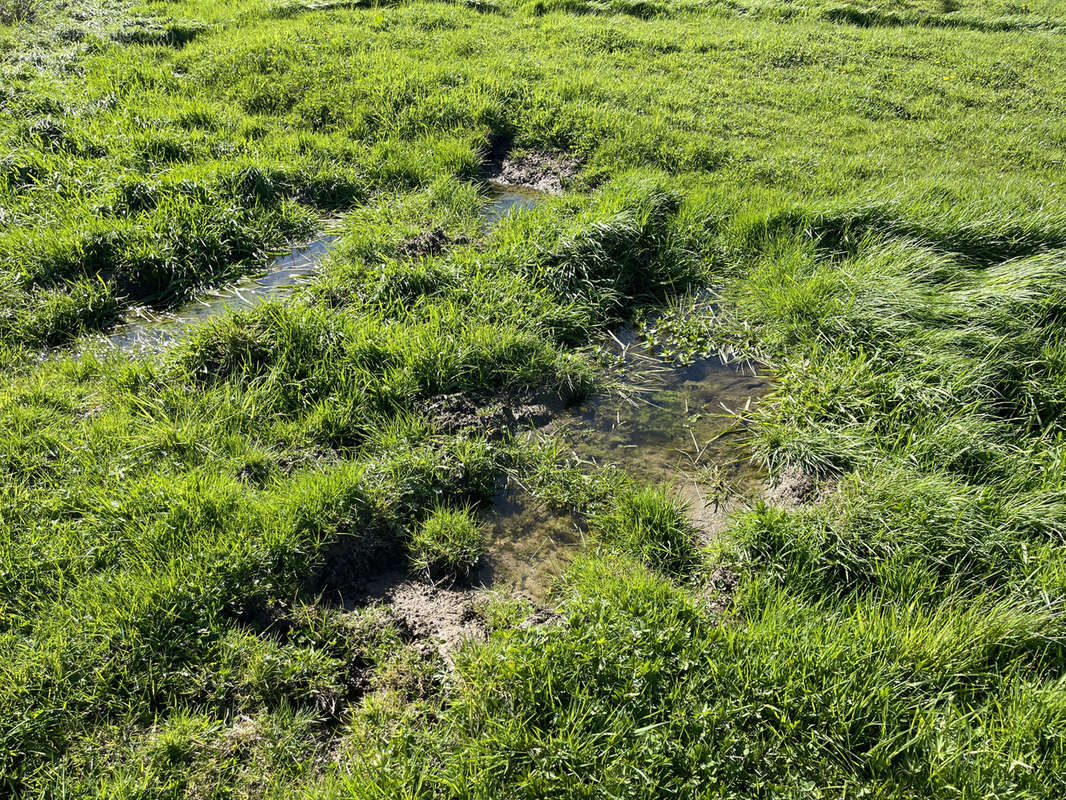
435, 618
442, 617
718, 593
541, 171
711, 518
493, 414
544, 172
792, 488
429, 243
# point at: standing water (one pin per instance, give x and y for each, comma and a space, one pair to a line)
504, 198
152, 330
669, 424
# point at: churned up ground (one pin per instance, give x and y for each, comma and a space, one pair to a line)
664, 399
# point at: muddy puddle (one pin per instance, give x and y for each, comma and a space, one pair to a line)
148, 330
505, 198
668, 425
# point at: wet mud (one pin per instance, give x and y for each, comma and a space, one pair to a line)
429, 243
492, 415
661, 424
544, 172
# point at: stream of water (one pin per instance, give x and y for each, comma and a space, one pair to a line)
149, 330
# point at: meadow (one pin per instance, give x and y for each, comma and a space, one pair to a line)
865, 199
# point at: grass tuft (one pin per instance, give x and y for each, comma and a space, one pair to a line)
449, 543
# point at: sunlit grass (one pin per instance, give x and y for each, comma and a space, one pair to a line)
864, 198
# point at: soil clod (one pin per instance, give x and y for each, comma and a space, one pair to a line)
429, 243
495, 414
544, 172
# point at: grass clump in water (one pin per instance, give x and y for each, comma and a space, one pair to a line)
651, 526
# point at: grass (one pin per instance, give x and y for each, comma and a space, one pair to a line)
14, 11
448, 541
862, 197
652, 527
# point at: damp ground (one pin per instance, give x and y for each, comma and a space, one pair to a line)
661, 423
147, 329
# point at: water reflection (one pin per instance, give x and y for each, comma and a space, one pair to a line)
674, 425
153, 330
505, 198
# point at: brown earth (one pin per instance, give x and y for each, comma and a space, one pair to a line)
429, 243
493, 414
544, 172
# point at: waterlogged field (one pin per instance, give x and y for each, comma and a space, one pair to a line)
254, 556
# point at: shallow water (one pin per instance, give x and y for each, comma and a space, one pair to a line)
673, 425
530, 545
152, 330
668, 424
505, 198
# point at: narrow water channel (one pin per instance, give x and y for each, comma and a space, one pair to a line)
151, 330
148, 330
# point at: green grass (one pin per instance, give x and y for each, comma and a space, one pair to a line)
650, 526
865, 198
448, 541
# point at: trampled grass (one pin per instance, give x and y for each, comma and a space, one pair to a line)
864, 197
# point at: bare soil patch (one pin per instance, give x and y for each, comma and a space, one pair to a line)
493, 414
544, 172
443, 617
429, 243
794, 488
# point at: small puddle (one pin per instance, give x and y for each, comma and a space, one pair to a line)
505, 197
530, 545
677, 426
673, 425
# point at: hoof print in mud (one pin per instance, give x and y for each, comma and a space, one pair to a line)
429, 243
458, 412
